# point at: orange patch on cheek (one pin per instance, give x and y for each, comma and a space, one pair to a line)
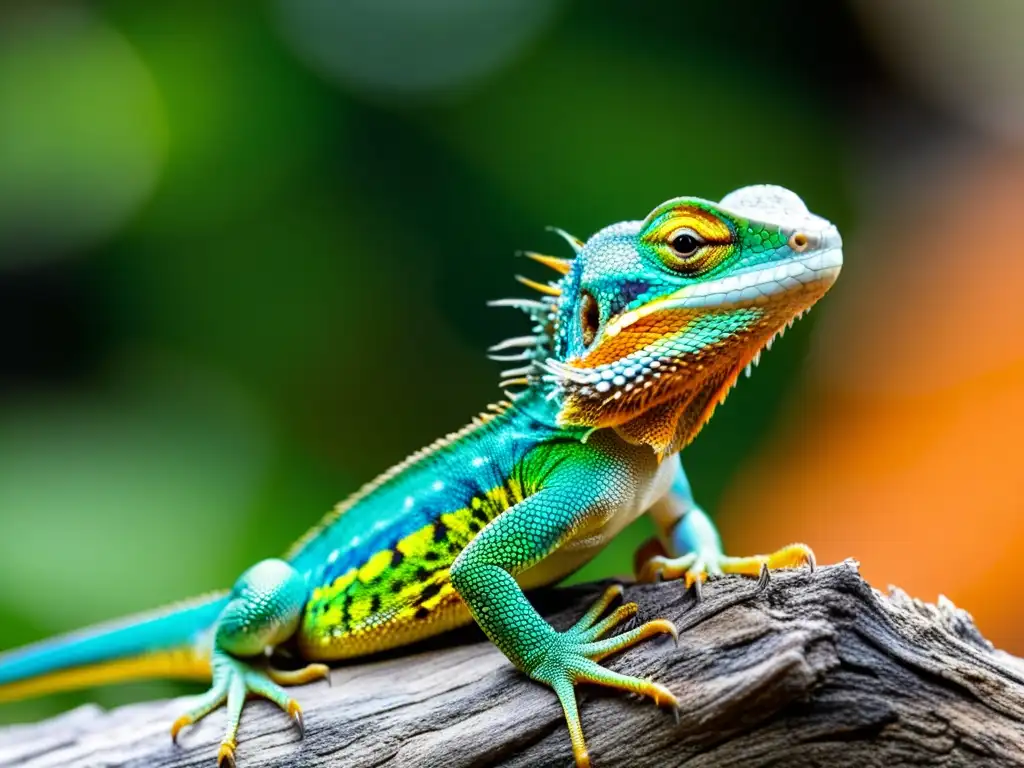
645, 331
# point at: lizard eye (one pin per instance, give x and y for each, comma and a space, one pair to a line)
685, 242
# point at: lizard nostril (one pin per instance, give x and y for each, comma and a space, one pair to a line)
799, 242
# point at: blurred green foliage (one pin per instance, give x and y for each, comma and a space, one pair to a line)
241, 277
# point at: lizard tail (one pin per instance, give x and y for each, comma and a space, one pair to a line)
166, 643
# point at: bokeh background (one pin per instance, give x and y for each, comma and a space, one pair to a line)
245, 249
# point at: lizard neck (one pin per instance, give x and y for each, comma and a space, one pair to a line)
537, 403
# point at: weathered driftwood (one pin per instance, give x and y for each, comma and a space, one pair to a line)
818, 669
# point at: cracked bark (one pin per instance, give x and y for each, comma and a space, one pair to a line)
818, 669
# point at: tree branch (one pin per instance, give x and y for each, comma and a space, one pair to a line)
819, 669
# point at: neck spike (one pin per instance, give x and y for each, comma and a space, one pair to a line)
517, 341
561, 266
544, 288
574, 242
529, 306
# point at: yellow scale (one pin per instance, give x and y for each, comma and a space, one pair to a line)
394, 599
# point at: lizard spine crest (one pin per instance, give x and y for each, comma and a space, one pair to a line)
493, 411
538, 347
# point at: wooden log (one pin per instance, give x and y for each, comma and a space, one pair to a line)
818, 669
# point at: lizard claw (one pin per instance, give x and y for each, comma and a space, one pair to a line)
178, 724
296, 714
765, 578
226, 755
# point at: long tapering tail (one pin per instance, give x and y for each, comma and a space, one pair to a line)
168, 642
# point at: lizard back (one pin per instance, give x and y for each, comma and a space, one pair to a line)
377, 566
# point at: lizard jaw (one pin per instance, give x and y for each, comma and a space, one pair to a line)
680, 378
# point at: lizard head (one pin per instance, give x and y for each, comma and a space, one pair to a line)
654, 320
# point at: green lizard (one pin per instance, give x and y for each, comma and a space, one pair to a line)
643, 333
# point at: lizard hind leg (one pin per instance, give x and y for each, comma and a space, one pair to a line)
264, 609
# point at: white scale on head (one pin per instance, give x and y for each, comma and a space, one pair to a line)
769, 203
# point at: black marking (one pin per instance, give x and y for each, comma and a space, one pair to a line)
374, 603
515, 495
474, 526
421, 613
429, 591
422, 574
440, 533
396, 558
397, 586
481, 514
431, 556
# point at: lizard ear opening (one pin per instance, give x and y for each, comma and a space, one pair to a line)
590, 317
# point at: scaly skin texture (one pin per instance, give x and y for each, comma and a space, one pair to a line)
631, 348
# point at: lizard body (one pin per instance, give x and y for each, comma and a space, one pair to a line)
378, 566
644, 332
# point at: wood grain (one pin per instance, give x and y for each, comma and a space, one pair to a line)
816, 670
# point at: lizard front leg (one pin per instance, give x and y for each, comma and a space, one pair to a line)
694, 548
583, 487
264, 610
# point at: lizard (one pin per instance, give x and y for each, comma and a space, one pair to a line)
644, 330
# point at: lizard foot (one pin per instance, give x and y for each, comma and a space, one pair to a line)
695, 567
233, 681
571, 657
